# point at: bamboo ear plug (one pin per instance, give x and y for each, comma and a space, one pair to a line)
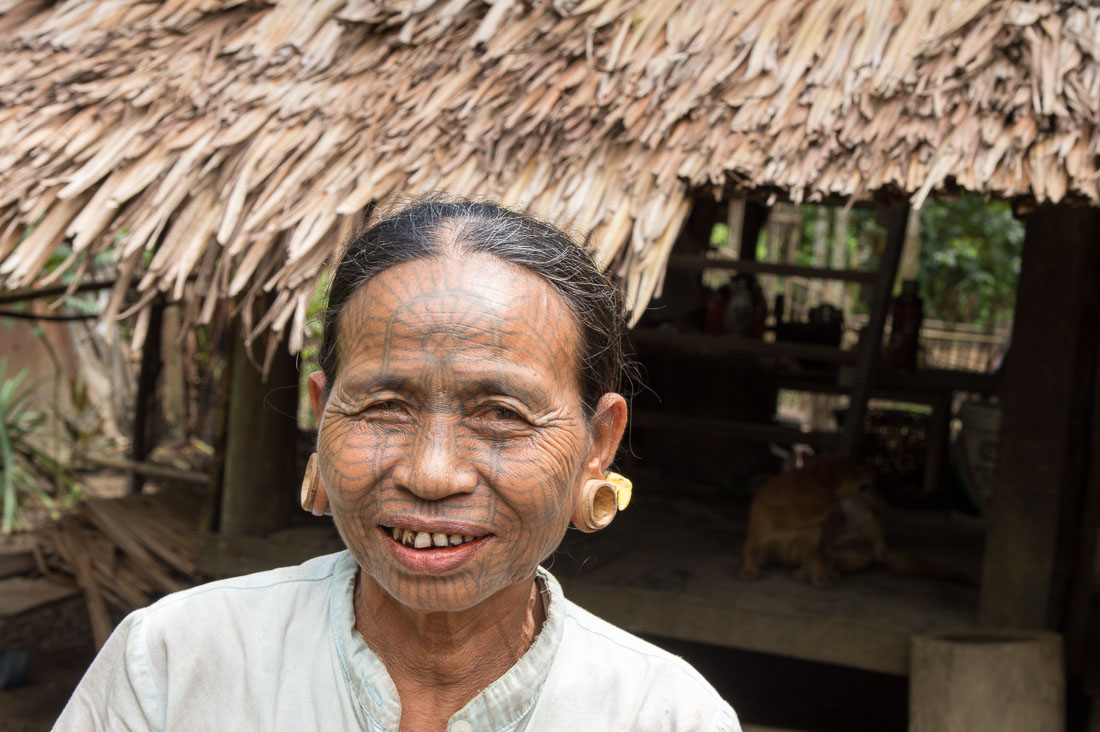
601, 500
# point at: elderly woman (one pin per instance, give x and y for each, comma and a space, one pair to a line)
468, 409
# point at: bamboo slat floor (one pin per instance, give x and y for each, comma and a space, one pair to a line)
124, 552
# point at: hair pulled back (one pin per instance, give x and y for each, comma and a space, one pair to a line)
431, 228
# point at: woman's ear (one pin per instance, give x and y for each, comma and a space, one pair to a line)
608, 424
596, 498
316, 383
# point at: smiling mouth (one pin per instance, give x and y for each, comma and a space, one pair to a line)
427, 540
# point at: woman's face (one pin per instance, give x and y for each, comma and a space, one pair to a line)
456, 413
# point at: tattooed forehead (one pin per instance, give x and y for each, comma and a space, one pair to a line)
475, 318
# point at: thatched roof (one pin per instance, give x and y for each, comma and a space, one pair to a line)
240, 140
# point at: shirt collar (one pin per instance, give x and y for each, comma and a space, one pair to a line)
503, 704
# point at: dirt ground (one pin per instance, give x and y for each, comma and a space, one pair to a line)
58, 638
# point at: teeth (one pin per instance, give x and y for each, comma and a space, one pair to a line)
426, 540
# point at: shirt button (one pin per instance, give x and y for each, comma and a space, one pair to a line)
462, 726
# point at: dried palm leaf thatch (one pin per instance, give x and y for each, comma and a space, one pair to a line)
239, 140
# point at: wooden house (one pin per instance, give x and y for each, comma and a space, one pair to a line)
225, 148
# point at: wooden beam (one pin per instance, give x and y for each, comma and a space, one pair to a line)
936, 472
916, 385
1079, 634
210, 518
870, 346
145, 404
1047, 389
173, 382
147, 469
835, 292
260, 481
725, 429
695, 262
16, 563
752, 221
909, 265
34, 293
719, 345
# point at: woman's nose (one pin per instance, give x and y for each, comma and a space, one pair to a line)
436, 466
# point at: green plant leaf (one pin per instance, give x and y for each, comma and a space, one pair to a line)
10, 498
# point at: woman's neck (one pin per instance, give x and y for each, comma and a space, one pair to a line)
443, 659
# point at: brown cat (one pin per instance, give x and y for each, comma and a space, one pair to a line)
826, 518
821, 518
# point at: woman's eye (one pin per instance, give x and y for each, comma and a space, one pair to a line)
504, 414
497, 417
389, 406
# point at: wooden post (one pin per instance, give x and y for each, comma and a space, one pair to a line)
229, 334
835, 292
173, 382
1082, 619
820, 249
1082, 626
735, 225
939, 444
260, 487
909, 266
773, 228
1046, 395
790, 216
871, 345
752, 221
145, 406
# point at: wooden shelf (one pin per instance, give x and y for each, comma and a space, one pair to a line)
723, 345
699, 263
823, 377
939, 380
899, 385
734, 430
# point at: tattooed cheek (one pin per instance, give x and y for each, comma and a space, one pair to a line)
557, 447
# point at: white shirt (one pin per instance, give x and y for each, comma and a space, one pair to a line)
278, 650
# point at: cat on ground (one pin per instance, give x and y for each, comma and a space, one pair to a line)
794, 515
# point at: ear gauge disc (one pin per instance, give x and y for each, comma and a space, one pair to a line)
597, 507
314, 499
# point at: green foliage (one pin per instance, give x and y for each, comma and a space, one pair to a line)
25, 467
970, 256
970, 260
309, 359
17, 420
719, 235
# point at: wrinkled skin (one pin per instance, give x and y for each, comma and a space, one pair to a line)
457, 399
